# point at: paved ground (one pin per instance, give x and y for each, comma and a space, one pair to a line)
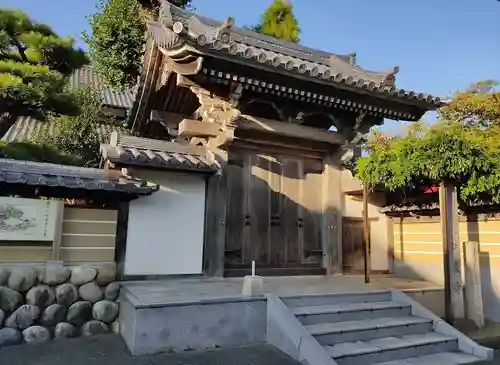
110, 350
182, 290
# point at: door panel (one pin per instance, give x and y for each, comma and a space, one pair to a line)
274, 211
290, 197
312, 208
277, 244
236, 208
352, 245
257, 238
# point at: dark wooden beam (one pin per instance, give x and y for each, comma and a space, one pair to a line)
366, 234
215, 225
121, 238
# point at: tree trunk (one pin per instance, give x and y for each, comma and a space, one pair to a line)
6, 121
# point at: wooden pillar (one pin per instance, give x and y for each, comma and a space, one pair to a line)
366, 235
454, 300
473, 295
215, 220
121, 238
332, 216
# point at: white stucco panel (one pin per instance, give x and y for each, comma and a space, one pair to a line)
165, 230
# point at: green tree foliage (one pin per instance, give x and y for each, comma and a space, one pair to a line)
36, 152
478, 105
462, 148
76, 136
117, 41
34, 63
279, 22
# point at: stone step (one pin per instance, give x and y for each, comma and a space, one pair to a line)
329, 299
442, 358
341, 312
391, 348
368, 329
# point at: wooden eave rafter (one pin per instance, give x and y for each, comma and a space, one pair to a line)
340, 101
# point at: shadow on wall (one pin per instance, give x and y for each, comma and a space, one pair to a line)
490, 275
434, 271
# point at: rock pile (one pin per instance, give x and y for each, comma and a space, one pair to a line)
53, 302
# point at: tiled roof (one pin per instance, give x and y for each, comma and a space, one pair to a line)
224, 40
86, 75
26, 127
127, 150
51, 175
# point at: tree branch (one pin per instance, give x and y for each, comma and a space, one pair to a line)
19, 47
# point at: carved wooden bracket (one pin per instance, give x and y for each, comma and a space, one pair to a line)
214, 110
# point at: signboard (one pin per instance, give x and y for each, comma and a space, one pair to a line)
27, 219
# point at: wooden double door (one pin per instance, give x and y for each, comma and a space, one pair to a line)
273, 214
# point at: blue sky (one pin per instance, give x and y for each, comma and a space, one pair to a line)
439, 45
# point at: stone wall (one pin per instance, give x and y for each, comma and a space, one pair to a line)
38, 304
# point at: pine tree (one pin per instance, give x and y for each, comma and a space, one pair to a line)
279, 22
34, 65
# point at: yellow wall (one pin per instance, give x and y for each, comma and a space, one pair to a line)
418, 254
88, 235
420, 240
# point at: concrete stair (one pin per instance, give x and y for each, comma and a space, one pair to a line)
381, 327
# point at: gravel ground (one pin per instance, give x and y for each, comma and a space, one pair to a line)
111, 350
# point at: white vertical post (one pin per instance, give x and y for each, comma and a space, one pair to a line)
253, 268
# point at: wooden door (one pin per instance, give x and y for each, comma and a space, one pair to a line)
352, 245
273, 212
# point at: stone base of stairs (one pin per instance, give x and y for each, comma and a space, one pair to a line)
377, 327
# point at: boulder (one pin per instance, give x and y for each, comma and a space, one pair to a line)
91, 292
82, 275
22, 278
9, 299
105, 311
66, 294
41, 295
55, 274
2, 316
4, 275
115, 327
79, 313
9, 337
106, 274
64, 330
53, 314
112, 291
23, 317
36, 334
92, 328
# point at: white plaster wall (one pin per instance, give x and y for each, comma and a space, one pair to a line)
165, 230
